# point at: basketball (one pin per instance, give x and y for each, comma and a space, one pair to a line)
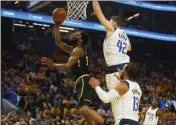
59, 15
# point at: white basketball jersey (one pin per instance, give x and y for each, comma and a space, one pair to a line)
115, 48
128, 104
150, 117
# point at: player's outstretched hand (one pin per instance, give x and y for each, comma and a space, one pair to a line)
47, 61
94, 82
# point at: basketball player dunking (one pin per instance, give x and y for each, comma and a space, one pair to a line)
152, 114
78, 65
128, 93
115, 47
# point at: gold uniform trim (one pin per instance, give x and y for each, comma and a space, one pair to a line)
81, 77
88, 101
82, 89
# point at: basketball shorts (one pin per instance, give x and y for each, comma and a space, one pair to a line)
84, 91
111, 80
128, 122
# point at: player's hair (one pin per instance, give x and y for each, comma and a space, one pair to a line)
120, 21
133, 71
85, 38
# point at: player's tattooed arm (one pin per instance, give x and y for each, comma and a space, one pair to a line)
99, 14
66, 48
77, 53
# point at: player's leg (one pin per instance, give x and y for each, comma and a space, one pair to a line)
111, 82
91, 116
85, 95
88, 120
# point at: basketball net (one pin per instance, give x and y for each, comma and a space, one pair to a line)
76, 10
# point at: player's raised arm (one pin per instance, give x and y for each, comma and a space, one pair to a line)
99, 14
77, 53
66, 48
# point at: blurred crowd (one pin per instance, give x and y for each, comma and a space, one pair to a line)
48, 96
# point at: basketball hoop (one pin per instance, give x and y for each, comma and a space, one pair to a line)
76, 10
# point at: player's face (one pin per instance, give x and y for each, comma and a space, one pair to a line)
155, 102
113, 23
76, 37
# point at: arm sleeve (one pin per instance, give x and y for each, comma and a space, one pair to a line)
106, 97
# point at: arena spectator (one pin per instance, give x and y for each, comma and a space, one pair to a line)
45, 103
